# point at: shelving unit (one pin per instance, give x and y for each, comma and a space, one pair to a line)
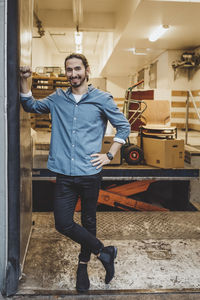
42, 86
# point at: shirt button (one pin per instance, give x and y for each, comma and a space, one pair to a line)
72, 145
74, 118
72, 159
74, 131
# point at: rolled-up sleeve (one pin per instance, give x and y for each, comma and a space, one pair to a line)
42, 106
117, 119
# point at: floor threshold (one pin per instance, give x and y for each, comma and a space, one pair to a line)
107, 292
185, 294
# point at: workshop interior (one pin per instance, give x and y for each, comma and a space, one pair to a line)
146, 54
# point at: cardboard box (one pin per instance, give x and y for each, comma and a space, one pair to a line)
164, 153
106, 144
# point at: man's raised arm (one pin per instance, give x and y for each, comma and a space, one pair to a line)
25, 73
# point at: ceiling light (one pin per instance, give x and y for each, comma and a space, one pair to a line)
138, 52
78, 37
79, 49
158, 33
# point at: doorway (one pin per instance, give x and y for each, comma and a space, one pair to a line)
146, 233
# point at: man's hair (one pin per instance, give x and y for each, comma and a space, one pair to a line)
79, 56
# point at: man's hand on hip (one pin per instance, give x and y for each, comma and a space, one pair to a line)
100, 160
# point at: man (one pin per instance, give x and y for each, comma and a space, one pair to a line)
79, 118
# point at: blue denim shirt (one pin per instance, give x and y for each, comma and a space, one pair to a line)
77, 128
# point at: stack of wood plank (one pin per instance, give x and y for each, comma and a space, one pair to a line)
48, 83
41, 122
42, 86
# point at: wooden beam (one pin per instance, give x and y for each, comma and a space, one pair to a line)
196, 93
131, 188
111, 199
183, 104
179, 93
181, 115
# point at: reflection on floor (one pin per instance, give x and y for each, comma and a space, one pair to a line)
156, 251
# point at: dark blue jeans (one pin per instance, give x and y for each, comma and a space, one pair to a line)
68, 188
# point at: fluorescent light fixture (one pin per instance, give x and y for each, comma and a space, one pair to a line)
138, 52
79, 49
78, 36
158, 33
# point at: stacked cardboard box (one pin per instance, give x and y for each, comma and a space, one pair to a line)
163, 153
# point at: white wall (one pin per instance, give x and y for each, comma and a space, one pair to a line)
162, 70
163, 90
107, 48
58, 60
195, 82
167, 79
42, 55
125, 10
195, 75
99, 83
177, 80
117, 85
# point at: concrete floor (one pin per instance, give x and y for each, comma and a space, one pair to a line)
157, 253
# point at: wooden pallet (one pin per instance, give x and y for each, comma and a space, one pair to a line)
43, 86
49, 83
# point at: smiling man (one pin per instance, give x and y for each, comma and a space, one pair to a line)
79, 119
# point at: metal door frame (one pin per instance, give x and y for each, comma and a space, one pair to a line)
13, 159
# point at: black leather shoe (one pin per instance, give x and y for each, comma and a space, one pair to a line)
107, 257
82, 279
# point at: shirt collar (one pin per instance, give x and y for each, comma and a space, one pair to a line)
90, 89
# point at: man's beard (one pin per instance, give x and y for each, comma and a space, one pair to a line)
77, 84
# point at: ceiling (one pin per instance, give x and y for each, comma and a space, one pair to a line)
112, 27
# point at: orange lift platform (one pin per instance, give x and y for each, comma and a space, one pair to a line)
118, 197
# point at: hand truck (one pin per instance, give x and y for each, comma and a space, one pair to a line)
132, 110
